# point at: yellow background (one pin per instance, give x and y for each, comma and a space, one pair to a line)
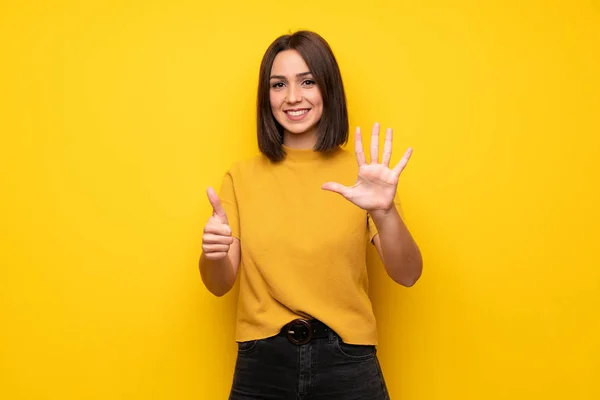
115, 116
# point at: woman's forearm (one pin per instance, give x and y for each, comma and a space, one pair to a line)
399, 252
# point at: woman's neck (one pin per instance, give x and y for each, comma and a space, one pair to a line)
300, 141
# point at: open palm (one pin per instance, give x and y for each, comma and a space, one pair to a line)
376, 185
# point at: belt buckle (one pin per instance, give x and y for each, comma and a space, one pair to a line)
291, 331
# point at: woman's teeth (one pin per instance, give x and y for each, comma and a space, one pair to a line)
296, 113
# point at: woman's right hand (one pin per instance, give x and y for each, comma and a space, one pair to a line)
217, 238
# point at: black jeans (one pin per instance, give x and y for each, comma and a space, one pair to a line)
323, 369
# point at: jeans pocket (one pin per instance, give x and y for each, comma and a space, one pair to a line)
246, 347
355, 351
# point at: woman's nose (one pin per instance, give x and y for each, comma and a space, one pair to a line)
293, 95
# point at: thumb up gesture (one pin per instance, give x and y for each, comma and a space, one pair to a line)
217, 233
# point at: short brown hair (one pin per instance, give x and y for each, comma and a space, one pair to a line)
333, 125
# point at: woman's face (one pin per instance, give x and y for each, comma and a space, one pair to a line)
296, 100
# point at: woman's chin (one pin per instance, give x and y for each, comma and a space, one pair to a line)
296, 129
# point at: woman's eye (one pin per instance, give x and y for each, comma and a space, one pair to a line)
309, 82
277, 85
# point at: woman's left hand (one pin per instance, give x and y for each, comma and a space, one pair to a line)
376, 185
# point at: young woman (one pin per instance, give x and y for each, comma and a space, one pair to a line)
297, 236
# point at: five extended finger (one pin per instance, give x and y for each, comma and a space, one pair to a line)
402, 163
336, 188
358, 148
387, 147
375, 144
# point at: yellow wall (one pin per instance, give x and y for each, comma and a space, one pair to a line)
115, 116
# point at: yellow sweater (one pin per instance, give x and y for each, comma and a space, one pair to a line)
303, 249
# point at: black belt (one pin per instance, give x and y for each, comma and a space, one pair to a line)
301, 331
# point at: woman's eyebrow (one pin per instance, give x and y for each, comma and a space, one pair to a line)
297, 75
